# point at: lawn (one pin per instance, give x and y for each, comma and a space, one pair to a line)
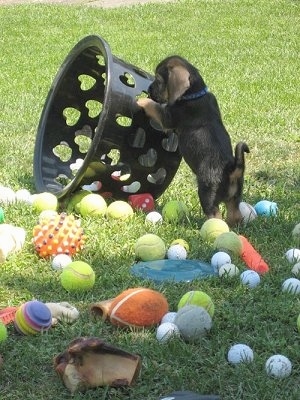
248, 54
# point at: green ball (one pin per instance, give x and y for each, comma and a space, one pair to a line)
3, 332
193, 323
150, 247
44, 201
197, 298
74, 201
77, 276
119, 210
92, 205
212, 228
298, 323
174, 211
229, 242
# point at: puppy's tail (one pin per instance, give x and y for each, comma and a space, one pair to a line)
239, 158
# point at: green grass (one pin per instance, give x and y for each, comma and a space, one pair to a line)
248, 53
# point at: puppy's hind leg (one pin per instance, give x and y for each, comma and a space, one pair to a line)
208, 200
234, 216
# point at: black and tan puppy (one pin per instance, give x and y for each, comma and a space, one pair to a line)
180, 101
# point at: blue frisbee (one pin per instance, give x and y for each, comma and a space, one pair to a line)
173, 270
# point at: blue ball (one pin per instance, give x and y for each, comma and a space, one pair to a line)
266, 208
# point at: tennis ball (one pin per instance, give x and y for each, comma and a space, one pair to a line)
92, 205
75, 199
229, 241
174, 211
197, 298
77, 276
193, 323
150, 247
44, 201
3, 332
138, 307
298, 323
182, 242
119, 210
278, 366
212, 228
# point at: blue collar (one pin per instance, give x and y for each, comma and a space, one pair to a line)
194, 96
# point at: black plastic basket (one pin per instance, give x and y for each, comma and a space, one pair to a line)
91, 129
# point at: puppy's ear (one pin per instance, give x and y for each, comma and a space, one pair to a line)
178, 82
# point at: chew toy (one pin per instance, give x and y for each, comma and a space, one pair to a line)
252, 258
135, 307
62, 234
12, 239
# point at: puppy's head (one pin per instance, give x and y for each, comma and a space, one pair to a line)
173, 77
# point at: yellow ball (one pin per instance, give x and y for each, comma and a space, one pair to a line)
229, 241
212, 228
75, 199
197, 298
298, 323
119, 210
77, 276
174, 211
150, 247
44, 201
3, 332
182, 242
92, 205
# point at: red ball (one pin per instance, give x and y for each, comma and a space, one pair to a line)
138, 307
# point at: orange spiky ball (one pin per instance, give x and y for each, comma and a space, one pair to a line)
60, 234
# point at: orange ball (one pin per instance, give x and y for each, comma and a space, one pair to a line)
61, 234
138, 307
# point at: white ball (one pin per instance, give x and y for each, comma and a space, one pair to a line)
296, 269
248, 212
60, 261
239, 353
176, 252
228, 270
250, 278
169, 317
291, 285
220, 258
7, 195
46, 215
278, 366
166, 331
23, 195
153, 217
293, 255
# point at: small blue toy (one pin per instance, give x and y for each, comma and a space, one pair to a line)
266, 208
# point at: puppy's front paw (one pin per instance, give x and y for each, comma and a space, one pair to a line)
143, 102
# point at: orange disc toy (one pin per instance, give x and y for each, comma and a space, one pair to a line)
61, 234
